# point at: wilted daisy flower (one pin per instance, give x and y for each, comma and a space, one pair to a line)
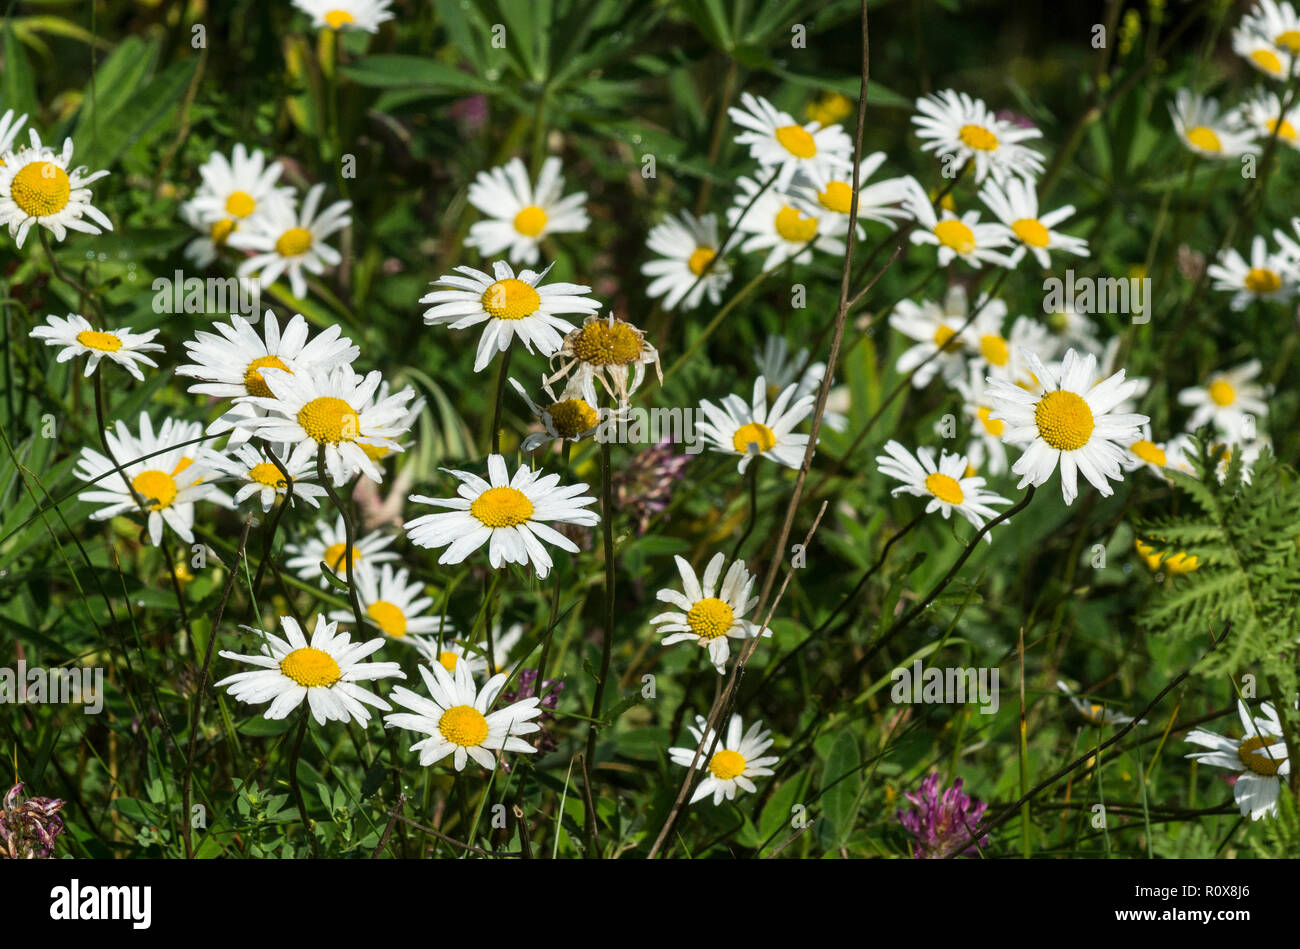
1261, 53
1016, 206
324, 671
1259, 757
686, 245
737, 760
752, 430
1267, 276
958, 128
938, 334
9, 129
570, 417
260, 479
37, 188
954, 236
1145, 453
233, 191
1208, 131
781, 368
511, 306
710, 615
166, 484
335, 412
785, 230
779, 143
613, 352
944, 483
79, 338
1263, 112
1231, 400
1071, 422
346, 14
1276, 22
1095, 713
391, 603
519, 215
330, 547
831, 190
284, 240
944, 824
457, 719
508, 514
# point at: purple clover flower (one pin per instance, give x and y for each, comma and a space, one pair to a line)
943, 824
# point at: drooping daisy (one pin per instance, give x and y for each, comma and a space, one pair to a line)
944, 483
708, 614
958, 237
329, 546
511, 306
324, 671
1267, 277
569, 418
335, 412
1070, 422
1261, 53
751, 430
394, 605
458, 720
781, 368
782, 226
1016, 206
831, 190
166, 484
78, 338
1259, 757
1095, 713
233, 192
609, 351
1232, 400
38, 187
937, 330
9, 129
959, 128
287, 241
346, 14
520, 215
1144, 452
508, 514
259, 478
734, 764
781, 145
1208, 131
686, 245
1263, 113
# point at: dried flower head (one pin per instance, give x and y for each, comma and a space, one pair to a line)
29, 826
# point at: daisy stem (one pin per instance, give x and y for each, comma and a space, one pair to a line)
275, 523
500, 399
349, 537
293, 771
1023, 757
598, 700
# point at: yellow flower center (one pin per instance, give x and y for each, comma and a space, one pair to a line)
337, 19
1284, 130
710, 618
1064, 420
41, 188
978, 138
943, 336
157, 488
463, 725
572, 417
830, 108
1204, 138
1267, 60
388, 617
293, 242
240, 204
502, 507
327, 419
530, 221
794, 227
336, 556
267, 474
1260, 280
221, 231
601, 343
994, 426
253, 381
448, 660
945, 488
1254, 756
701, 258
1031, 232
511, 299
797, 141
753, 433
1222, 392
837, 197
1149, 452
953, 233
726, 765
104, 342
311, 668
994, 348
1290, 39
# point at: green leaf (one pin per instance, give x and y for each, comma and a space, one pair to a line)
143, 115
840, 782
393, 71
17, 84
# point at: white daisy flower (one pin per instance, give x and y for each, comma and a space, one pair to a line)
1260, 52
392, 604
259, 478
735, 763
449, 654
958, 237
37, 187
507, 514
167, 484
324, 671
346, 14
959, 128
945, 483
1095, 713
1231, 400
751, 430
780, 368
710, 615
685, 245
503, 643
1259, 757
1144, 452
1267, 277
1016, 206
1276, 22
335, 412
777, 141
457, 719
1071, 329
511, 306
520, 215
831, 190
937, 330
1071, 422
777, 224
287, 241
234, 190
986, 447
1263, 112
330, 547
78, 338
1207, 130
9, 129
569, 418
